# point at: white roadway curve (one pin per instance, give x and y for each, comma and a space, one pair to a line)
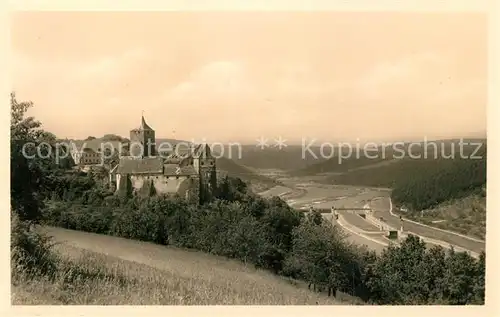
431, 234
428, 234
351, 228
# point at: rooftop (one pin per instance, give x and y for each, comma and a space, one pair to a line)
150, 165
144, 126
95, 145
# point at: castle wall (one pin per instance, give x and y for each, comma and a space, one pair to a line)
118, 176
164, 184
196, 164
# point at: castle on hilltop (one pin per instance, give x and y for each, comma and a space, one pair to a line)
188, 171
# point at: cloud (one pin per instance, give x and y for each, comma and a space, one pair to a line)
214, 82
287, 98
401, 92
420, 80
405, 74
60, 88
29, 70
405, 67
231, 94
110, 67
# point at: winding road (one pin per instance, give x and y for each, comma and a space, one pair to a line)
367, 231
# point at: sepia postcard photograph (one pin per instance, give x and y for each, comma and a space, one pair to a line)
322, 157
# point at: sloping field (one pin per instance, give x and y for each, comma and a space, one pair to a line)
194, 277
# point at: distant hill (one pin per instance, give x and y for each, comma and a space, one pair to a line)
231, 168
336, 165
287, 158
382, 156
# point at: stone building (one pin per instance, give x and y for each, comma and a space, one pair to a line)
188, 171
91, 153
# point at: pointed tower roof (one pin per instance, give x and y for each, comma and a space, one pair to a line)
144, 125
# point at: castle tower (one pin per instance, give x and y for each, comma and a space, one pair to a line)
142, 141
204, 164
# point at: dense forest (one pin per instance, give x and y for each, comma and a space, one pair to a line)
437, 181
236, 224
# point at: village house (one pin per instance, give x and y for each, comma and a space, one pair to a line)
92, 153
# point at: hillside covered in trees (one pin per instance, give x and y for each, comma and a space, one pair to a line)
436, 181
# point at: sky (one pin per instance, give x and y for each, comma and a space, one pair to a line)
239, 76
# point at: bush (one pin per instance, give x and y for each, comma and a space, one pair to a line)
412, 275
31, 251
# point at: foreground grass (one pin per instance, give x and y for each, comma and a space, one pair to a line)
185, 278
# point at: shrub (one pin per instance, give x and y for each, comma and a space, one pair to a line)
31, 251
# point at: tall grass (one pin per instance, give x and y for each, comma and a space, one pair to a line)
88, 278
44, 272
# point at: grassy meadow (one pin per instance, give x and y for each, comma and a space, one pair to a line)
127, 272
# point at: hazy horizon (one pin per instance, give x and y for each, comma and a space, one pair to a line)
238, 76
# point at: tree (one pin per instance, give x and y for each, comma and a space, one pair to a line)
112, 157
112, 137
26, 165
315, 217
459, 277
320, 256
399, 275
479, 283
231, 189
